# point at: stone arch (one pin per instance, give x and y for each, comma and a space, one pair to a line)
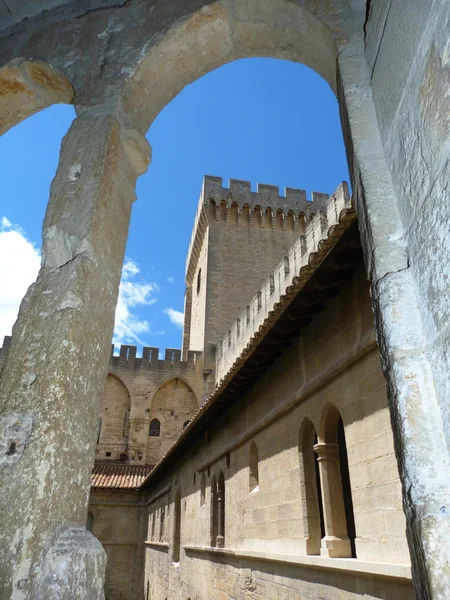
115, 411
173, 404
28, 86
340, 534
312, 512
212, 36
383, 238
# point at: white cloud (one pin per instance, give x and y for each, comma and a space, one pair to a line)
19, 266
170, 279
128, 326
176, 317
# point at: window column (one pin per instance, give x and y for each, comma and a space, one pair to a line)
336, 543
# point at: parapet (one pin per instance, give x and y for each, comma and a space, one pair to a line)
238, 204
266, 196
320, 228
128, 359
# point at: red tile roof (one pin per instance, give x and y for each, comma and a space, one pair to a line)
119, 476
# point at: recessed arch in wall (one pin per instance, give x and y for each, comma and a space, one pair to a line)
173, 405
115, 411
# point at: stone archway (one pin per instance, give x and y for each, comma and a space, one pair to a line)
28, 86
120, 87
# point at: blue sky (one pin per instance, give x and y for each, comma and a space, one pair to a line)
262, 120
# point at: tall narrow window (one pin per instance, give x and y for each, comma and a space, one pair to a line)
161, 523
155, 428
253, 478
153, 525
199, 281
339, 539
202, 489
272, 284
312, 513
177, 528
221, 511
346, 487
214, 514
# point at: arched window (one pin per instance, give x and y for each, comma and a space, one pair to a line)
155, 428
346, 487
202, 489
153, 524
199, 281
161, 523
340, 533
312, 517
221, 511
214, 514
253, 476
177, 528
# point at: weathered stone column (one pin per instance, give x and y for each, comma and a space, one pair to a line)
420, 445
55, 371
335, 544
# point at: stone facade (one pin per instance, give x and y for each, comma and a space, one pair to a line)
242, 505
120, 64
264, 448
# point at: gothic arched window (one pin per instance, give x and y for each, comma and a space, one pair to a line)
155, 428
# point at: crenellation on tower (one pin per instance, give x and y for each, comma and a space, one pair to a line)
128, 359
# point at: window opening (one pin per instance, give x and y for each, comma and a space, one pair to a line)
177, 528
221, 511
199, 280
155, 428
346, 487
214, 514
253, 479
202, 489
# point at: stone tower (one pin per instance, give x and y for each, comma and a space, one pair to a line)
239, 237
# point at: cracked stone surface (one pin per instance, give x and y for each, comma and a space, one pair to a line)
120, 63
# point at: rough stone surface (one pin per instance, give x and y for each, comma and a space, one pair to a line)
126, 61
74, 567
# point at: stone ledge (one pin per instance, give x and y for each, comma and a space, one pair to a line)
353, 565
157, 545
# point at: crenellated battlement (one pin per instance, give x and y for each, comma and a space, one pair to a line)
239, 193
237, 204
289, 270
128, 359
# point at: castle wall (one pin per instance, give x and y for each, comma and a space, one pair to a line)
199, 296
115, 415
335, 362
125, 437
116, 516
173, 405
238, 239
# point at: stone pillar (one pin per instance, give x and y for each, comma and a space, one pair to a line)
335, 544
417, 424
54, 375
